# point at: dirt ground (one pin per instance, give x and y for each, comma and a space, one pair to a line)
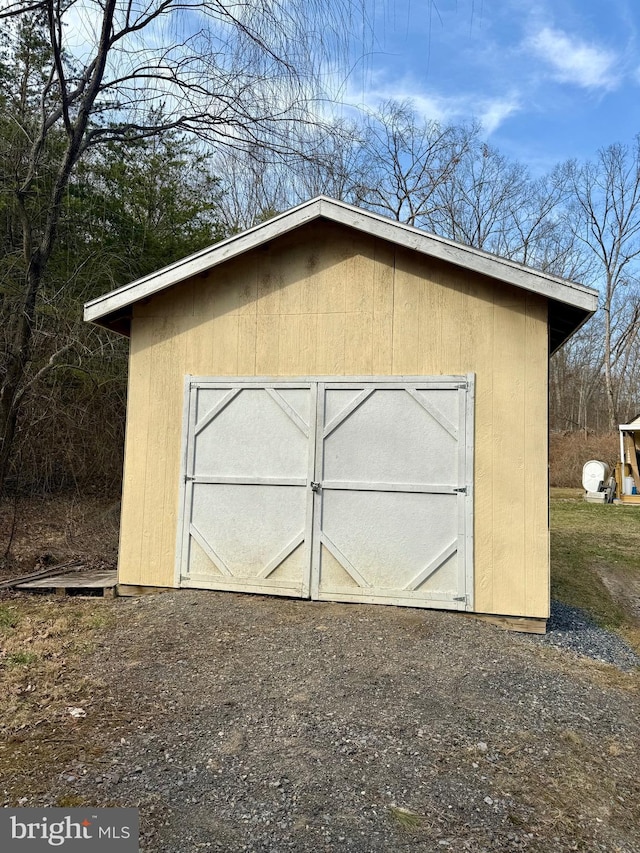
245, 723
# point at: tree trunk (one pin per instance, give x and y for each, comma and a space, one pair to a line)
18, 357
612, 413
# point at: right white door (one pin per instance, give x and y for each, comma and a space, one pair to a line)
393, 511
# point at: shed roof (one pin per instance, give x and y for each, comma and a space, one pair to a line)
570, 304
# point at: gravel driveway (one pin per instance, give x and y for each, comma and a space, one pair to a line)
243, 723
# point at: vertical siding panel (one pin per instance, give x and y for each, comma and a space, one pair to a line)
200, 348
225, 291
311, 281
163, 454
247, 333
267, 287
476, 356
382, 325
200, 344
332, 280
330, 348
430, 327
130, 568
406, 311
289, 344
358, 349
359, 275
453, 303
509, 552
536, 435
174, 372
306, 365
290, 277
267, 336
177, 301
225, 344
244, 281
150, 529
358, 340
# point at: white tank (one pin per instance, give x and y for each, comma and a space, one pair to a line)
594, 473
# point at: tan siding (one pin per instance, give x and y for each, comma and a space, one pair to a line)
135, 467
247, 344
536, 437
325, 302
267, 335
509, 358
407, 289
476, 333
330, 346
382, 321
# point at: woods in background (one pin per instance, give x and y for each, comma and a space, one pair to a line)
104, 179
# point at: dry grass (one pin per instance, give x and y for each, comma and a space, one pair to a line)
43, 644
407, 819
41, 640
561, 791
595, 560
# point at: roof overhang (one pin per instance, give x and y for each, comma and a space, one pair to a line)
570, 304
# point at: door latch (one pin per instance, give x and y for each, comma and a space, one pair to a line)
315, 487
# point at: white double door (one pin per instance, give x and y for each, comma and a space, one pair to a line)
344, 490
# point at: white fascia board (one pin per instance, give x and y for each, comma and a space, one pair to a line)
370, 223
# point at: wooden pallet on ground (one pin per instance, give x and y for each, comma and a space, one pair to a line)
91, 581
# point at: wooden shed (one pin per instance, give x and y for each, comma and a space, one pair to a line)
334, 405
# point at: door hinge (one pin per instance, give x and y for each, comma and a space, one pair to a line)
461, 489
315, 487
188, 479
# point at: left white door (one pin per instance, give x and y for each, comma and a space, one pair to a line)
247, 499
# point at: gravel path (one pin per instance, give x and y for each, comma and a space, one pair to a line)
572, 629
242, 723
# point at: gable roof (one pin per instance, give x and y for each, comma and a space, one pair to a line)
570, 304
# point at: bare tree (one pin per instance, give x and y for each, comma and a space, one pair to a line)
255, 184
477, 205
575, 382
405, 161
233, 74
606, 213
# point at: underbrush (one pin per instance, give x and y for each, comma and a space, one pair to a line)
568, 452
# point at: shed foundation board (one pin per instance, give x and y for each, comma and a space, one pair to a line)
131, 590
519, 624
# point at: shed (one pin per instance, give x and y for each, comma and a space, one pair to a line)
334, 405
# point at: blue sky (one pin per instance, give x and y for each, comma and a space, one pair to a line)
549, 79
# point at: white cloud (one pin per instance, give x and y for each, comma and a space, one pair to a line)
574, 61
491, 112
495, 112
